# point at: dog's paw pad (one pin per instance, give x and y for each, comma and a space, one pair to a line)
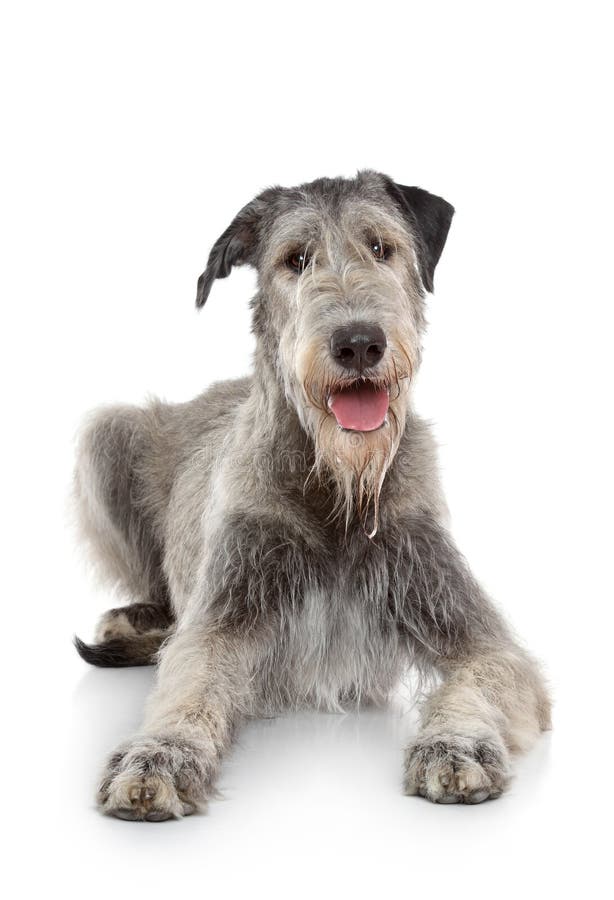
154, 779
136, 798
456, 769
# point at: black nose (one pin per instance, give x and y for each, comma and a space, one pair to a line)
358, 346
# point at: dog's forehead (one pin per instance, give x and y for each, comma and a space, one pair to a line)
302, 212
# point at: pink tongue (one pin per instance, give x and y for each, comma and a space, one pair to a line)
360, 408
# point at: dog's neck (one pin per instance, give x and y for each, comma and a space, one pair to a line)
272, 415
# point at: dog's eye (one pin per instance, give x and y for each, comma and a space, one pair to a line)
298, 261
380, 250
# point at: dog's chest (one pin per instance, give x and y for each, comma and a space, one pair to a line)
343, 647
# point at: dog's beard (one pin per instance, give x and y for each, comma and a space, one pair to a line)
355, 463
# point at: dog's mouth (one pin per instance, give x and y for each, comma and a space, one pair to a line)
360, 406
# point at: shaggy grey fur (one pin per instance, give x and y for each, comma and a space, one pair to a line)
278, 559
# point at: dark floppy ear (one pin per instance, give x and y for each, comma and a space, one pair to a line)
429, 218
236, 246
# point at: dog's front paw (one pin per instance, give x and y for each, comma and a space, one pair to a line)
456, 768
155, 778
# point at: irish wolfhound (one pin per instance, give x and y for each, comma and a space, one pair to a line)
282, 538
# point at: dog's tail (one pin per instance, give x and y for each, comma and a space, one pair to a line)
132, 650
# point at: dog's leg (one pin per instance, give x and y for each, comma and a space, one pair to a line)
492, 701
117, 494
168, 769
212, 672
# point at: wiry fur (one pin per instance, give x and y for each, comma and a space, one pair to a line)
280, 560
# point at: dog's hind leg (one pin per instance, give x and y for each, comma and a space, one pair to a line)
115, 499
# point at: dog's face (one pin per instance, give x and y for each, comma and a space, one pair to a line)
343, 266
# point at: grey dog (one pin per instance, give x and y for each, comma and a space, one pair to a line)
282, 538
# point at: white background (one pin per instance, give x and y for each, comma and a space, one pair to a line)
132, 133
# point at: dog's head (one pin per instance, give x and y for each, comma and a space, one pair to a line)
343, 266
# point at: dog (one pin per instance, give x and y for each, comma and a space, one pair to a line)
283, 538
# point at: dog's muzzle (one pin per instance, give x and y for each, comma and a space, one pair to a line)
362, 405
